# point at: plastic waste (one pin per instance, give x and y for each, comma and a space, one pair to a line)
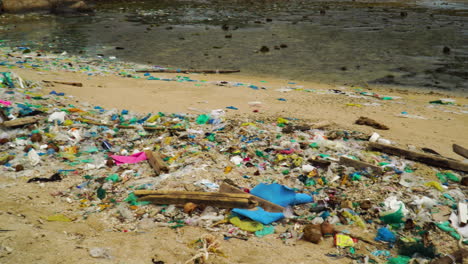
57, 116
33, 157
97, 252
246, 225
385, 235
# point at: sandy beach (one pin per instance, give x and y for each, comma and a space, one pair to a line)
29, 239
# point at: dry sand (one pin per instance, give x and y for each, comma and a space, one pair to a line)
32, 240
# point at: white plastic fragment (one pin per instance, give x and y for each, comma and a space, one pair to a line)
57, 116
463, 212
97, 252
236, 160
33, 157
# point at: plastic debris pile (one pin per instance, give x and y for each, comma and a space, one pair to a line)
393, 216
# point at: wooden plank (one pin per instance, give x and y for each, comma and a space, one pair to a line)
360, 165
22, 121
266, 205
460, 150
421, 157
224, 200
156, 162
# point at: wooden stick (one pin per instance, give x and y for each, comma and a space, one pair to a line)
266, 205
360, 165
77, 84
156, 162
460, 150
458, 255
224, 200
421, 157
22, 121
188, 71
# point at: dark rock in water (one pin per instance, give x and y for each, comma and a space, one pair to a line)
71, 7
344, 68
283, 46
225, 27
169, 28
228, 36
269, 20
119, 48
389, 79
403, 14
264, 49
446, 50
323, 12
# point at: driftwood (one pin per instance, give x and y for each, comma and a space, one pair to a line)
460, 150
22, 121
421, 157
223, 200
266, 205
458, 256
77, 84
360, 165
156, 162
188, 71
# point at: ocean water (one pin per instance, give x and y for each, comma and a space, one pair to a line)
413, 44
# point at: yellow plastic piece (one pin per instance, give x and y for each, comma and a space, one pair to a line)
58, 218
434, 185
246, 225
357, 105
282, 120
68, 122
344, 241
358, 220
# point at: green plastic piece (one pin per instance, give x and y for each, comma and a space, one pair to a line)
314, 145
101, 193
133, 200
202, 119
113, 177
393, 218
211, 137
267, 230
399, 260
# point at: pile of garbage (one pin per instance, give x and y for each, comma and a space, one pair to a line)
241, 178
